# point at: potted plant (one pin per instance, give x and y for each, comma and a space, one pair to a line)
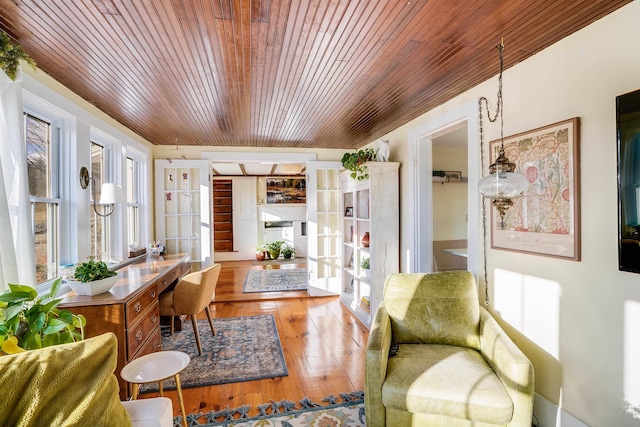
356, 162
11, 55
92, 278
274, 248
261, 252
28, 322
288, 251
366, 266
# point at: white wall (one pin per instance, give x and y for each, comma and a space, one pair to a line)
449, 199
579, 322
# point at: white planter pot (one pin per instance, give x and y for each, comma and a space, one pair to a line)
93, 288
367, 272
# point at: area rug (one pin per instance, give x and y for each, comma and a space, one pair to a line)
243, 349
276, 280
346, 410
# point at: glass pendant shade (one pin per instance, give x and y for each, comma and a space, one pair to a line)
503, 185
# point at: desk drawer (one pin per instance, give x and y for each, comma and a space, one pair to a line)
137, 336
141, 304
152, 345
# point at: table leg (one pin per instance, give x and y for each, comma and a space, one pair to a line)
179, 388
134, 394
160, 388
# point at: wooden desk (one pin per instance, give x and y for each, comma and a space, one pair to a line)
131, 308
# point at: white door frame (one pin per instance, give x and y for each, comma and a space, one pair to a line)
420, 169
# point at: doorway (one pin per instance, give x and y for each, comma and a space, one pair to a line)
420, 254
223, 215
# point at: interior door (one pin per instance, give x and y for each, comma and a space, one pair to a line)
183, 221
324, 249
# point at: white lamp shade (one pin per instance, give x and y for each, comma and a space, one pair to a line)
503, 185
110, 194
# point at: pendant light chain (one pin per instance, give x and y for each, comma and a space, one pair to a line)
484, 209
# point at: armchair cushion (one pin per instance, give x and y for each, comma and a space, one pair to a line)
439, 308
464, 387
67, 384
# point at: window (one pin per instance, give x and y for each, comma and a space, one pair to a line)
42, 169
99, 224
133, 202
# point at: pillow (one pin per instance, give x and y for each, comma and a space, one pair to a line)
63, 385
437, 308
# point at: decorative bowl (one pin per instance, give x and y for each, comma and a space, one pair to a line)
93, 288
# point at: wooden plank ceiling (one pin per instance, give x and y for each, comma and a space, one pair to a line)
281, 73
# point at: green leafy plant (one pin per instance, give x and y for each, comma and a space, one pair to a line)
438, 173
92, 270
356, 162
365, 263
10, 56
274, 248
28, 322
288, 251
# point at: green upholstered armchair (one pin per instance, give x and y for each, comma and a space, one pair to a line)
435, 357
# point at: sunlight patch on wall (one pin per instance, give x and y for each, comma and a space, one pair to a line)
531, 305
631, 358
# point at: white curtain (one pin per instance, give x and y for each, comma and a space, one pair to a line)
17, 257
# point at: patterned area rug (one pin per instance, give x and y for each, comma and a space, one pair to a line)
243, 349
276, 280
347, 410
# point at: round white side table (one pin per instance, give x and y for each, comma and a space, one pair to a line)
155, 368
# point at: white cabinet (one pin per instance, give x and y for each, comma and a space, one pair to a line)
369, 207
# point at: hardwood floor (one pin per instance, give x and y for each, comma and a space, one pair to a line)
323, 345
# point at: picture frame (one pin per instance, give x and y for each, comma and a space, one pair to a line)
282, 190
453, 176
348, 211
546, 220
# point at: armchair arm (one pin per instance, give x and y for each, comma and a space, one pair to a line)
376, 359
512, 366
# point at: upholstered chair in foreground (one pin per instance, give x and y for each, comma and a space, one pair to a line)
73, 385
435, 357
193, 293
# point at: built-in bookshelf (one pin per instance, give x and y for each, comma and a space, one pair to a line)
369, 208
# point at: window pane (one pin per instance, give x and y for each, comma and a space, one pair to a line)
132, 217
37, 135
45, 220
98, 223
131, 181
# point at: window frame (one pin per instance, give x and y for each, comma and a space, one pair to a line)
53, 199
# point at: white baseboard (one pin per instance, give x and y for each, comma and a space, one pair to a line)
550, 415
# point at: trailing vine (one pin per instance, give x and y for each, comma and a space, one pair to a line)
10, 56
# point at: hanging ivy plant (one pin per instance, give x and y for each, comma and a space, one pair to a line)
10, 56
356, 162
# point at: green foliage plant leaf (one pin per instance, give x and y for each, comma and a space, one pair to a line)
92, 270
356, 162
28, 322
11, 55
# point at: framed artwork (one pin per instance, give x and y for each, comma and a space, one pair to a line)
453, 176
286, 190
546, 221
348, 211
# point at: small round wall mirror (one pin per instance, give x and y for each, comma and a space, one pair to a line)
84, 177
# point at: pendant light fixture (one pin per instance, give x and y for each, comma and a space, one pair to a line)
502, 184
